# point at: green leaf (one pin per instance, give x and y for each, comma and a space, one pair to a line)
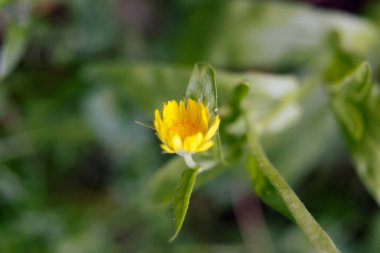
355, 101
252, 34
143, 93
281, 195
241, 91
163, 182
283, 110
312, 115
266, 92
182, 198
202, 86
13, 48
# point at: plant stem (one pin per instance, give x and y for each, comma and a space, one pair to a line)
312, 230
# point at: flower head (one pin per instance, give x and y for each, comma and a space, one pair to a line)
184, 129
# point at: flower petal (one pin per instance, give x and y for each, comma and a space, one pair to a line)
191, 110
157, 119
205, 146
170, 112
211, 132
205, 118
184, 127
192, 143
166, 148
176, 142
182, 111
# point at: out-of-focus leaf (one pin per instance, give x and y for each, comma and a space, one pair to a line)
286, 111
263, 103
83, 36
15, 146
163, 182
115, 129
314, 124
90, 239
283, 198
11, 188
301, 114
142, 84
202, 86
182, 197
5, 2
150, 79
240, 92
273, 34
102, 112
16, 36
372, 11
374, 235
355, 101
339, 60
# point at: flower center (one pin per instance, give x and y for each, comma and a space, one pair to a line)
183, 128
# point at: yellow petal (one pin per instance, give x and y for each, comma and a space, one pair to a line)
182, 111
161, 133
166, 148
193, 142
158, 126
205, 146
176, 142
170, 112
211, 132
191, 110
184, 127
157, 119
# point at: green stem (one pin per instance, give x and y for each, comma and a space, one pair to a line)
312, 230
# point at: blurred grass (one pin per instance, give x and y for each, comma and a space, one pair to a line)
75, 168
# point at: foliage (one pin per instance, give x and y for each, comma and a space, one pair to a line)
295, 85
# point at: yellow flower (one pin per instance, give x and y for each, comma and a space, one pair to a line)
185, 129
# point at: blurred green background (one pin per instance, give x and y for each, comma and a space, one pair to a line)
78, 175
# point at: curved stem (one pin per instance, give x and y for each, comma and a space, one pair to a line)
318, 238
